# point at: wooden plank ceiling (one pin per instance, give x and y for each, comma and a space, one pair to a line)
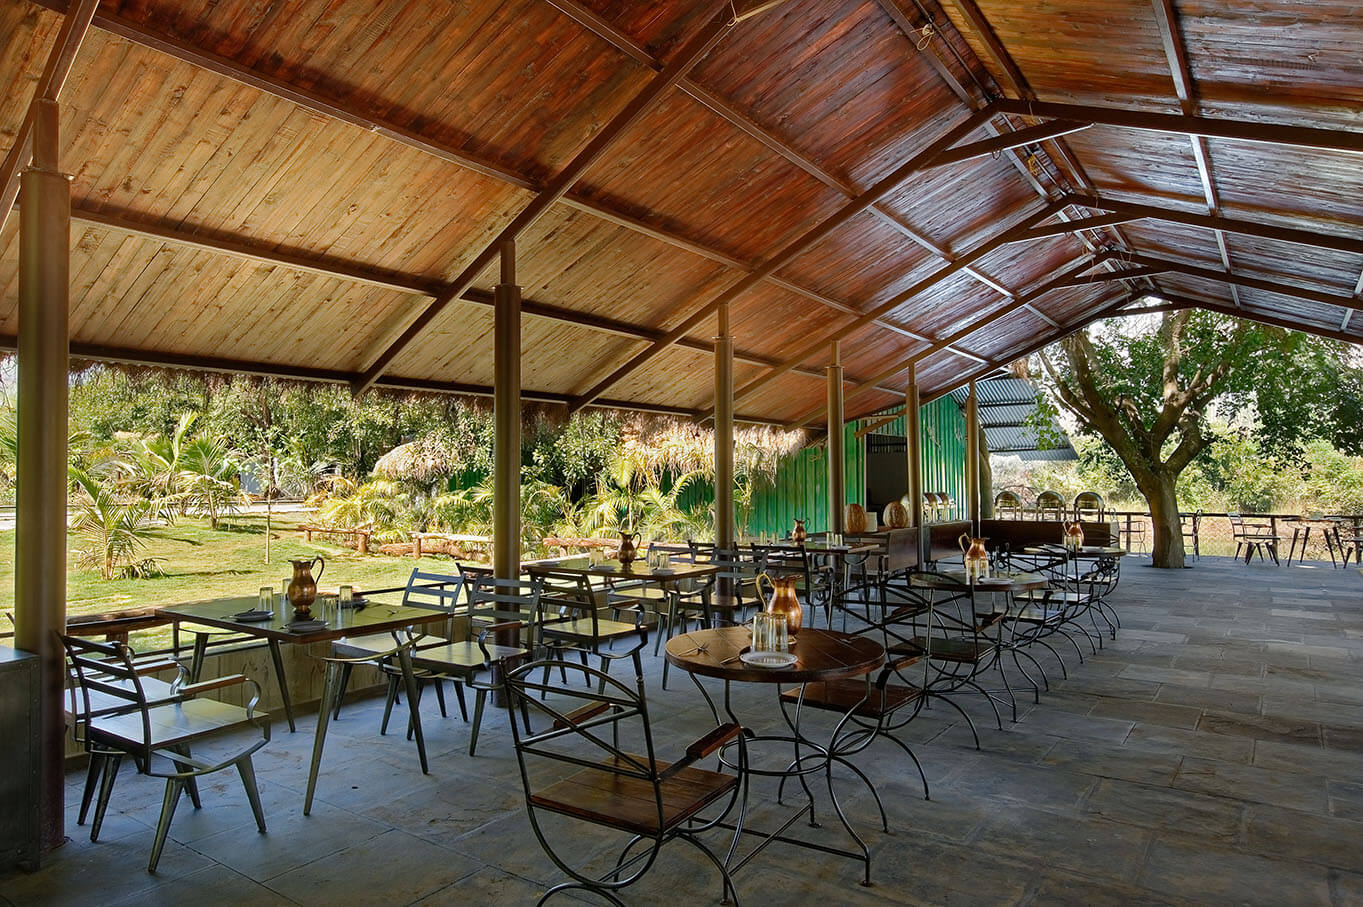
285, 188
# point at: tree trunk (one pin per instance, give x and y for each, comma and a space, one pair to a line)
1166, 546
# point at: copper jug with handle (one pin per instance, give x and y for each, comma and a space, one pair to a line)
975, 557
798, 534
783, 600
303, 586
628, 549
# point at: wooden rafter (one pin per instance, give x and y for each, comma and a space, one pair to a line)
1008, 141
1219, 223
814, 234
1107, 276
985, 248
663, 81
75, 25
1175, 301
1252, 283
402, 283
321, 105
1001, 312
1183, 124
160, 359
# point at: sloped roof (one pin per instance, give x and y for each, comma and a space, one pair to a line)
1007, 408
320, 188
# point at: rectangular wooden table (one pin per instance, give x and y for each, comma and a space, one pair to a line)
376, 616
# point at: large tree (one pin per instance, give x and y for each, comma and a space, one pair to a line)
1146, 385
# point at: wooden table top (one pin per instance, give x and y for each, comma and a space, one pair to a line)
999, 582
820, 655
376, 616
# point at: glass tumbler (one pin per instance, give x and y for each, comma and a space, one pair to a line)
769, 632
265, 598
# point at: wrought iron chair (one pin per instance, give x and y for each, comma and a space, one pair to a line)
1191, 524
114, 716
595, 763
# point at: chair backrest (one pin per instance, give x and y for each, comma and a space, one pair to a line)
496, 601
565, 594
437, 591
105, 682
1237, 524
598, 724
678, 552
1190, 522
1050, 503
1088, 505
1008, 502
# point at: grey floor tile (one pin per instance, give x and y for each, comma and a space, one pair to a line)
393, 867
1189, 870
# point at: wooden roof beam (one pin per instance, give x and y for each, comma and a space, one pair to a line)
162, 359
899, 299
1105, 276
387, 280
1183, 124
695, 49
621, 41
74, 28
1219, 223
1253, 283
1175, 301
1065, 228
792, 249
941, 346
1008, 141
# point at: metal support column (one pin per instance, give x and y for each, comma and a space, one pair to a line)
972, 459
506, 407
724, 432
40, 537
837, 461
914, 442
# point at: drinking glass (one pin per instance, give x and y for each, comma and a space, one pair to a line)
769, 632
346, 596
265, 599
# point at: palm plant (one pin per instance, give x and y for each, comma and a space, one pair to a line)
110, 529
154, 468
209, 477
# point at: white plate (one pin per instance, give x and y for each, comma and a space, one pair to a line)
767, 659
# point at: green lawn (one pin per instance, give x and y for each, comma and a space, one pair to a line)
201, 563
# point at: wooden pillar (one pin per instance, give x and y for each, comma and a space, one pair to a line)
506, 407
40, 537
913, 437
837, 460
724, 432
972, 459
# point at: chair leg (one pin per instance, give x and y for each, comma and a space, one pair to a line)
413, 697
92, 774
459, 694
478, 699
393, 681
340, 693
191, 783
174, 786
106, 787
439, 685
248, 781
330, 683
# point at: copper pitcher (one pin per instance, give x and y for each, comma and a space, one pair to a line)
798, 534
976, 557
783, 600
303, 586
1074, 536
628, 549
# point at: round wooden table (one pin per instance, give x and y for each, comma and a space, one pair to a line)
821, 655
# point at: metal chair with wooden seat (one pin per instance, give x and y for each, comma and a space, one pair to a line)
114, 716
1252, 537
595, 763
1191, 526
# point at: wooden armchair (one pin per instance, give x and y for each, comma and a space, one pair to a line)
595, 763
117, 711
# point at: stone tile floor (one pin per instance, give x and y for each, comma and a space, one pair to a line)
1213, 753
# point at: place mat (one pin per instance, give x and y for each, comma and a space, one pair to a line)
253, 616
305, 626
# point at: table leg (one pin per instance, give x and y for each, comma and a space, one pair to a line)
413, 706
283, 682
330, 684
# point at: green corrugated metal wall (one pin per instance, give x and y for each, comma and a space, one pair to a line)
802, 479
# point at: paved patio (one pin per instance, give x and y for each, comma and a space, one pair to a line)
1212, 753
